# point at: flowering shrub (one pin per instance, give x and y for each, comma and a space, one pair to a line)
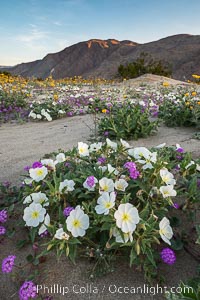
128, 121
109, 199
181, 110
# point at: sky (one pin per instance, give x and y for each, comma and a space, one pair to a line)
30, 29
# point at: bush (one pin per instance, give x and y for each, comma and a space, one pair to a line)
182, 110
108, 200
127, 121
143, 65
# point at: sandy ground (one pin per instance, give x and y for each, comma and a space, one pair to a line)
20, 145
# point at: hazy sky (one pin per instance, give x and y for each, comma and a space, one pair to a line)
29, 29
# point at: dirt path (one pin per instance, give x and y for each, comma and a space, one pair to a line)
20, 145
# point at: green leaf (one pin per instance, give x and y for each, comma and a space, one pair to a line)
21, 243
30, 258
150, 256
177, 244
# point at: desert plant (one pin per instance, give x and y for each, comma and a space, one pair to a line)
127, 121
142, 65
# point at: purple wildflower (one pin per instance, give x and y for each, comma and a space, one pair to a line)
168, 256
133, 172
70, 114
180, 150
37, 164
67, 210
90, 181
101, 160
2, 230
177, 167
198, 183
106, 133
27, 168
6, 184
67, 164
44, 234
179, 157
129, 165
8, 263
27, 290
176, 205
3, 216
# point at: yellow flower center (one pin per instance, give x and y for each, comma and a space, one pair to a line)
76, 223
165, 178
105, 188
81, 150
39, 172
165, 192
162, 231
35, 214
125, 217
108, 205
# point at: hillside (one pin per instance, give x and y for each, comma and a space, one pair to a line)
101, 58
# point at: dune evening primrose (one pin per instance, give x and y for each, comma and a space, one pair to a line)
77, 222
95, 147
60, 158
127, 217
165, 230
38, 174
8, 263
167, 191
125, 144
122, 237
27, 291
143, 156
106, 185
34, 214
121, 184
111, 169
61, 235
167, 177
49, 163
111, 144
105, 202
37, 198
66, 186
44, 226
83, 149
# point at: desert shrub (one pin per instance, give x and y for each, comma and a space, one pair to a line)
108, 200
143, 65
182, 110
127, 121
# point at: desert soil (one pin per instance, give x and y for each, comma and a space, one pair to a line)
20, 145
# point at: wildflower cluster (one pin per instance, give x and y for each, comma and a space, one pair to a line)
109, 195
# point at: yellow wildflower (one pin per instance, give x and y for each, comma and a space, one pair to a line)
165, 83
194, 93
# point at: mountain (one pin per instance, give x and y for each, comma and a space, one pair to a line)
101, 58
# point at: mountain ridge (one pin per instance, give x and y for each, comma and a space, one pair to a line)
101, 58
